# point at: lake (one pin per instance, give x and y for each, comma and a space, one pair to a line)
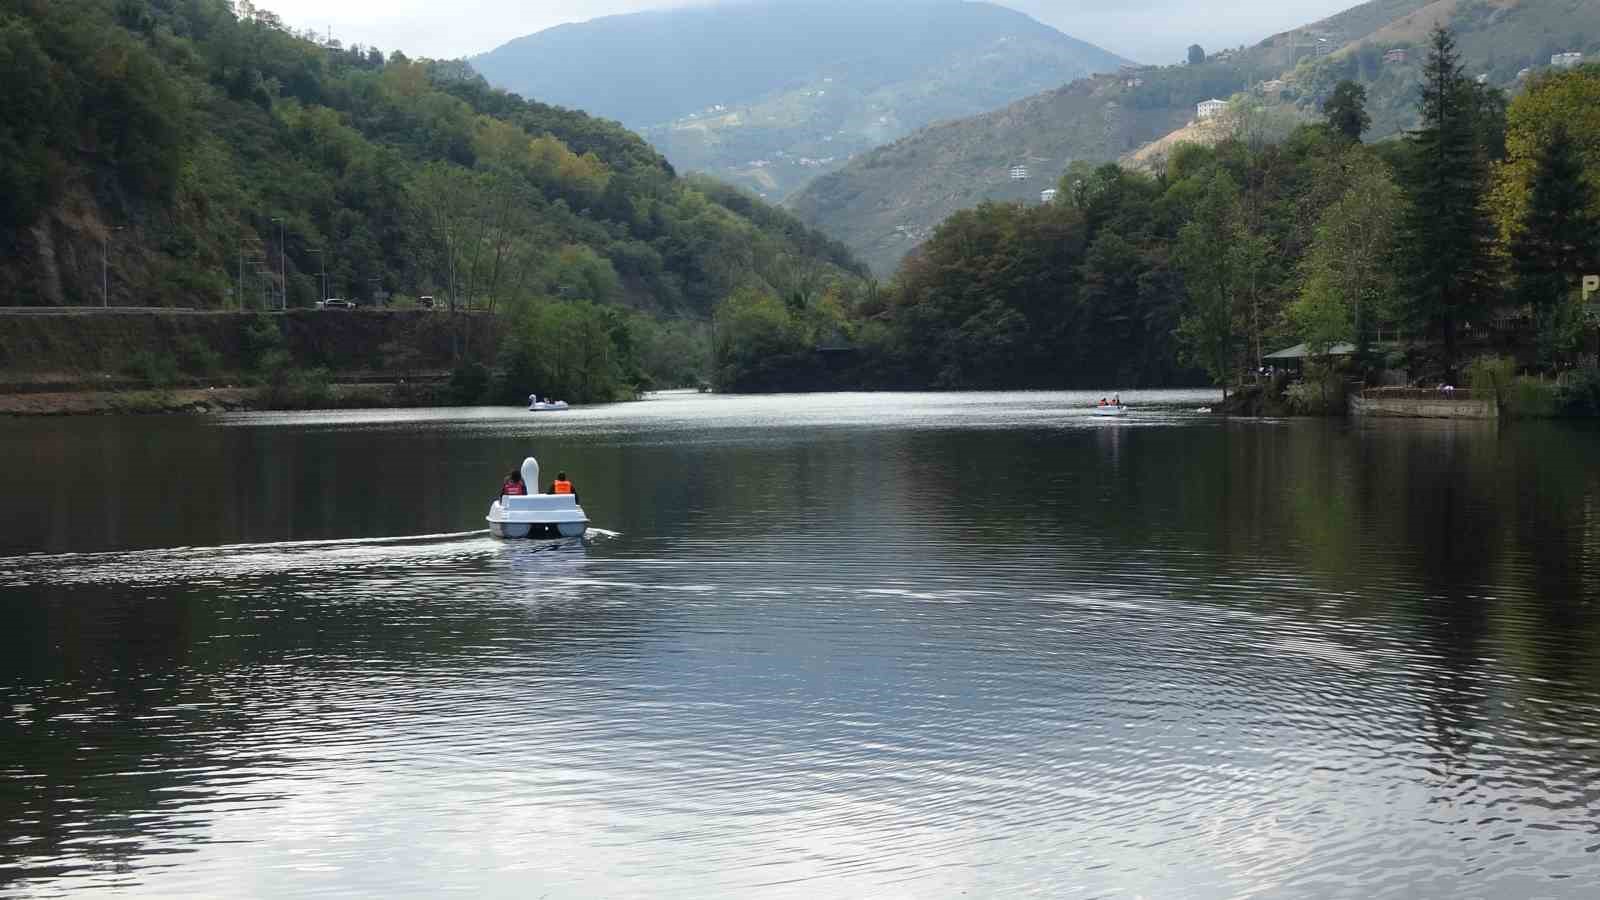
828, 645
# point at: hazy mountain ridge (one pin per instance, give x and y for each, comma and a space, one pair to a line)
883, 210
770, 94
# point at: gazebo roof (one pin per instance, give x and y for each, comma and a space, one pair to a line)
1301, 351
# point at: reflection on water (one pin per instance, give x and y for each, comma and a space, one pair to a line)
837, 646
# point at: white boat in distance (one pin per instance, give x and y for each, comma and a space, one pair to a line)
1118, 410
537, 405
536, 515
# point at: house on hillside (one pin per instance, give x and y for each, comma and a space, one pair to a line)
1207, 109
1395, 56
1273, 86
1566, 60
1019, 173
1048, 195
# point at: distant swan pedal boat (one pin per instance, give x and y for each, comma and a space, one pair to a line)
1111, 410
537, 405
536, 515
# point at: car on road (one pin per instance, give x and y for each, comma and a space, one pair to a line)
335, 304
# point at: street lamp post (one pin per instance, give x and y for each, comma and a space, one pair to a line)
283, 267
105, 268
322, 262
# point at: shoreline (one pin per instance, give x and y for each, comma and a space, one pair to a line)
212, 400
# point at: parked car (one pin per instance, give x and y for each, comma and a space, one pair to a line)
425, 302
335, 304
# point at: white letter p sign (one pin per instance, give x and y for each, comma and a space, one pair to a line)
1591, 286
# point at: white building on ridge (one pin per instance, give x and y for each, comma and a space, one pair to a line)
1566, 60
1207, 109
1048, 195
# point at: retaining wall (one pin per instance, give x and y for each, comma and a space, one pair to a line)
1440, 407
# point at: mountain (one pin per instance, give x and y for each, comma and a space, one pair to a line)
768, 94
887, 201
156, 153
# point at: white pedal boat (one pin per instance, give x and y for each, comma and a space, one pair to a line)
1111, 410
536, 515
537, 405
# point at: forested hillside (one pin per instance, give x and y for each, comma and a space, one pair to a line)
887, 201
183, 149
1451, 256
770, 94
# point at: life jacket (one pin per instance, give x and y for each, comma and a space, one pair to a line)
514, 489
561, 487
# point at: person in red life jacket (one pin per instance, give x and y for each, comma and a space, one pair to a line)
514, 486
562, 486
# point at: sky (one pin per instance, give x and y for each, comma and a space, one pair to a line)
1149, 31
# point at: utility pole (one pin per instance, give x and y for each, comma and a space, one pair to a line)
105, 268
283, 267
322, 279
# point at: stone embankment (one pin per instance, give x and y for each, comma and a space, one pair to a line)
1423, 403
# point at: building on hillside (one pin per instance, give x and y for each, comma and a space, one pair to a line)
1482, 79
1397, 55
1207, 109
1566, 60
1133, 82
1048, 195
1274, 86
1019, 173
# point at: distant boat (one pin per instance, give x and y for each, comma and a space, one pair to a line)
1114, 410
537, 405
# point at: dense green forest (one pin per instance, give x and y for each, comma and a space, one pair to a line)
197, 153
1453, 254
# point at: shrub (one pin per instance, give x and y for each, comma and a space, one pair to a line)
158, 370
1578, 393
197, 357
1530, 398
291, 388
1490, 376
469, 383
1307, 398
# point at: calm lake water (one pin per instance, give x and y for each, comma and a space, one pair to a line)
838, 645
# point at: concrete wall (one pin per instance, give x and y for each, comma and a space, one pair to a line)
1424, 408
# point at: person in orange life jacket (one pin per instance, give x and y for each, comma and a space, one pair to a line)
514, 486
562, 486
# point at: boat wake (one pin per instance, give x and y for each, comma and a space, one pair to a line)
231, 561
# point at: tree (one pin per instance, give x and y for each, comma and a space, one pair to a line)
1346, 111
1348, 273
1211, 276
1197, 54
1568, 98
1558, 243
1453, 275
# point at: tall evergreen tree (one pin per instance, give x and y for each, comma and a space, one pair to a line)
1346, 111
1453, 272
1558, 243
